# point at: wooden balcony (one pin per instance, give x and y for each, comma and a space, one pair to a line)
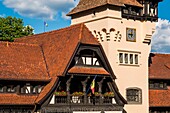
83, 100
139, 17
83, 103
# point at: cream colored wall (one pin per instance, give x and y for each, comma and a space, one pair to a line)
127, 75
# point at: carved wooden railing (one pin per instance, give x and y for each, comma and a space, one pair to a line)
80, 100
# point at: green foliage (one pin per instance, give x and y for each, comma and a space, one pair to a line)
12, 27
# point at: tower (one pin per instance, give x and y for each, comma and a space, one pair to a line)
124, 28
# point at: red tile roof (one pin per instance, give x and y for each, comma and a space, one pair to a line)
88, 70
47, 52
20, 61
159, 98
90, 4
46, 90
14, 99
55, 42
160, 66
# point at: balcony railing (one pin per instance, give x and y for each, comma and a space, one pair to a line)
137, 16
89, 100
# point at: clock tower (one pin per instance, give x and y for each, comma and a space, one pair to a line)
124, 28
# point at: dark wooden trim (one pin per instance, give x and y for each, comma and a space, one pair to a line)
49, 93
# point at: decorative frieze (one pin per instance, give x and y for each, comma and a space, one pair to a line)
108, 35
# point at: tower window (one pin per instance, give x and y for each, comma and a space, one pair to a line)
136, 59
131, 58
126, 58
134, 95
120, 57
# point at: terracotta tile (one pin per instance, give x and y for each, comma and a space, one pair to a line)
90, 4
160, 66
88, 70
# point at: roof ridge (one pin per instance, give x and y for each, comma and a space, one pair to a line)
57, 30
161, 53
81, 30
17, 43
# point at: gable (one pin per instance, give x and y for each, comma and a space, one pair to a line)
90, 60
59, 46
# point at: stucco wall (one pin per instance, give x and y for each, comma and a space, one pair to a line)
127, 75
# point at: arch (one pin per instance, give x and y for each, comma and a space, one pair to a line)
112, 30
104, 30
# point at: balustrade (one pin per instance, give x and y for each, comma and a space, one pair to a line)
96, 100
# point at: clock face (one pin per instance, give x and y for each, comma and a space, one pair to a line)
131, 34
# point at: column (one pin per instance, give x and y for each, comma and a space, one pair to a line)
68, 90
84, 83
100, 90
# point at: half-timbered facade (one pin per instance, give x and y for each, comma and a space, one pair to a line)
52, 72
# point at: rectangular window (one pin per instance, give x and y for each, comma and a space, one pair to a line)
136, 59
88, 61
156, 85
134, 95
126, 58
151, 84
131, 58
1, 89
120, 57
161, 85
95, 62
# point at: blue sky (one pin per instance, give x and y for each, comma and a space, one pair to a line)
35, 12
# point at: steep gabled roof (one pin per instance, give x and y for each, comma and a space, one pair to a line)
59, 48
90, 4
59, 45
159, 66
19, 61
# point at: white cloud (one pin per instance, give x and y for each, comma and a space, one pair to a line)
161, 37
43, 9
2, 15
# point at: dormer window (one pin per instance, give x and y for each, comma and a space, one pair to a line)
1, 89
40, 89
10, 89
28, 88
157, 84
87, 59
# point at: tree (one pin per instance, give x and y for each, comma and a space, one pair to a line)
12, 27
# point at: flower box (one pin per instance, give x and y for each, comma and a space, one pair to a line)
108, 94
60, 93
77, 94
95, 94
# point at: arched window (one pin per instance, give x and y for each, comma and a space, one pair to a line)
134, 95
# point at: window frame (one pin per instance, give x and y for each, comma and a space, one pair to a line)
139, 91
128, 58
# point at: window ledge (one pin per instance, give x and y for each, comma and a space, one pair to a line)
134, 103
135, 65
